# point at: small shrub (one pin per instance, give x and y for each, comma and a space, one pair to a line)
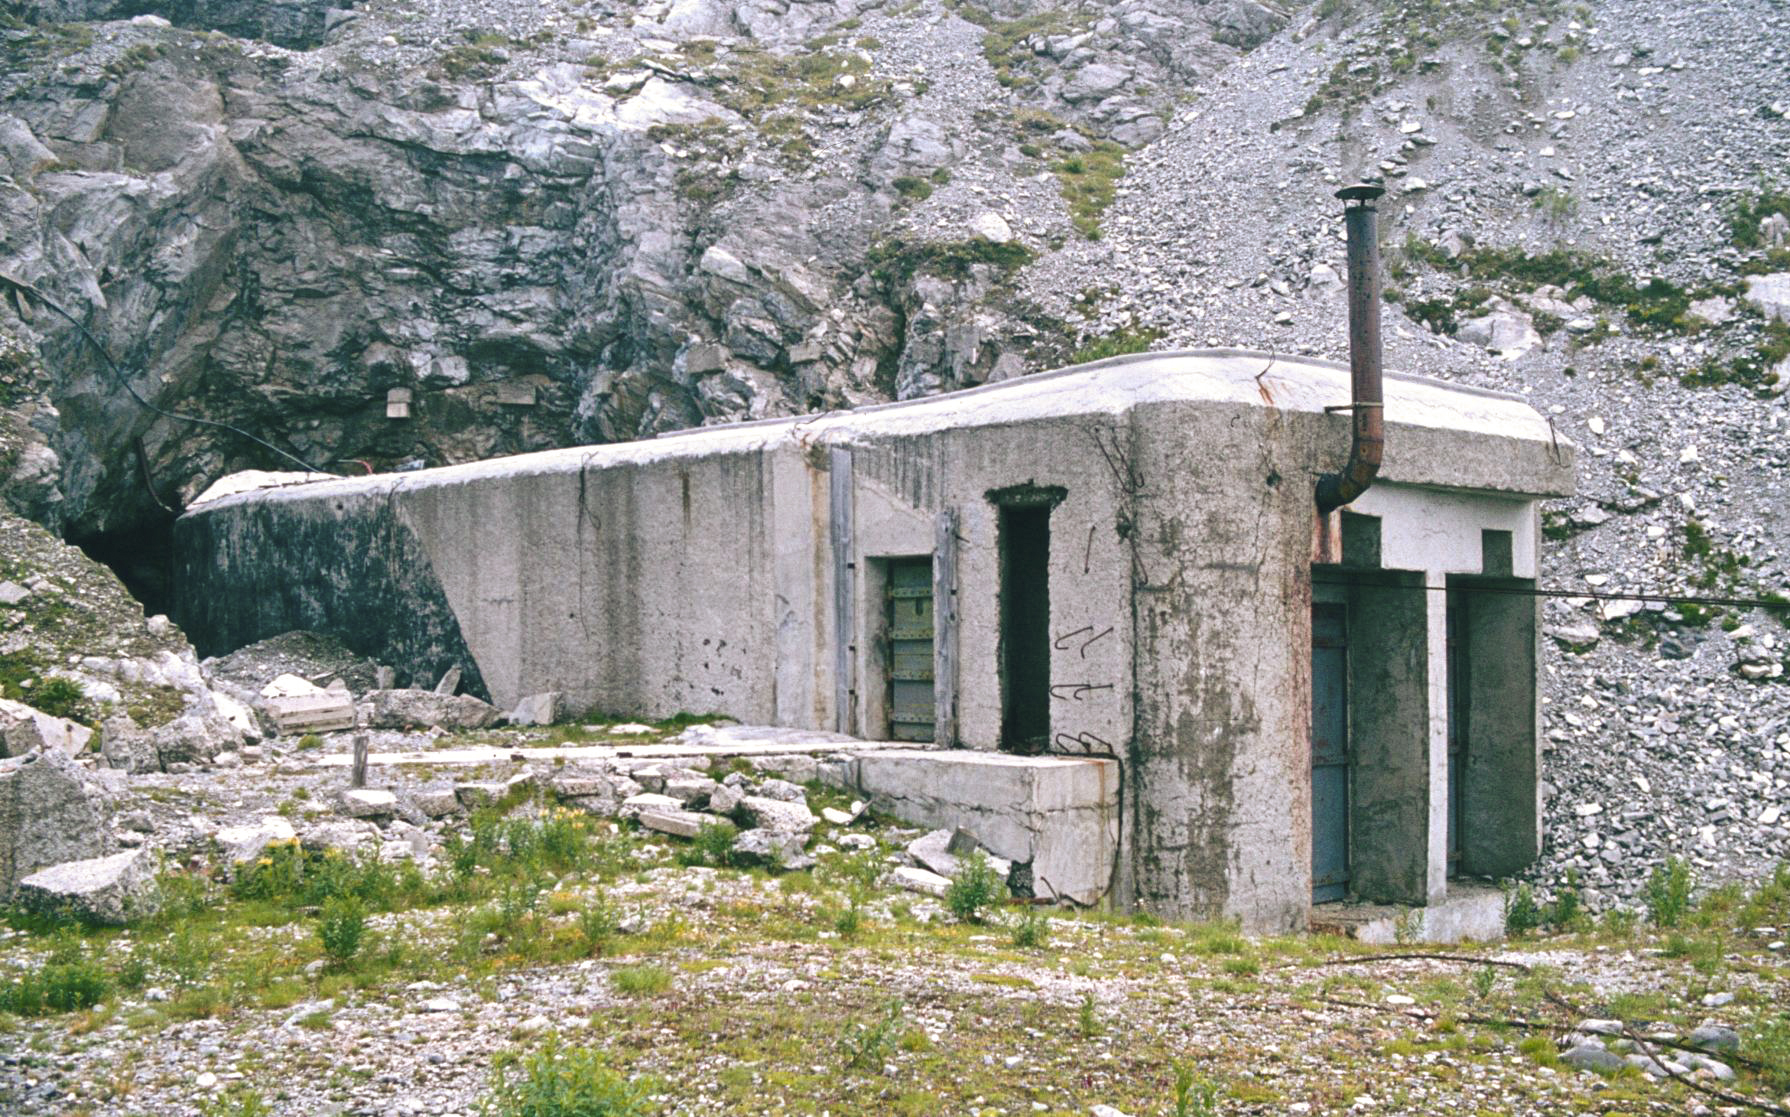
1032, 931
1667, 893
341, 928
714, 842
1195, 1094
238, 1100
912, 187
975, 887
1521, 913
56, 986
1087, 1020
1618, 923
640, 981
1568, 912
598, 924
310, 742
561, 1082
865, 1044
1485, 979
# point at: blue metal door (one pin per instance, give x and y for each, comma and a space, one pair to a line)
1329, 753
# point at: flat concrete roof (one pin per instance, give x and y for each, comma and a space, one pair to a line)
1220, 377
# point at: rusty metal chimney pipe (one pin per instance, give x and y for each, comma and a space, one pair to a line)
1366, 402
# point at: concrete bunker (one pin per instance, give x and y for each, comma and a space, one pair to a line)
1084, 607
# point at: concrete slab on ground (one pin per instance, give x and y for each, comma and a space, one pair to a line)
1469, 913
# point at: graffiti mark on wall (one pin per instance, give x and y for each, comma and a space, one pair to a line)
1062, 642
1076, 692
1084, 743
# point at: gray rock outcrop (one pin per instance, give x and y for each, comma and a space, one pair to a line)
52, 811
112, 890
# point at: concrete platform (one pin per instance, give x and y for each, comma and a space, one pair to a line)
1059, 814
1471, 912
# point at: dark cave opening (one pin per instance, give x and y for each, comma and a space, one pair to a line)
142, 555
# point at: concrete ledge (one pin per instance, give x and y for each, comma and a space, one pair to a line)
1058, 814
1470, 912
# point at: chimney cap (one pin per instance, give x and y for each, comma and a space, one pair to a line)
1361, 192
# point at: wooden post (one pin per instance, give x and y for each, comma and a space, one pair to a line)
357, 775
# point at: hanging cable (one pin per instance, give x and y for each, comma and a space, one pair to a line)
20, 286
1663, 597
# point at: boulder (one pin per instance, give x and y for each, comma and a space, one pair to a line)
1505, 331
193, 738
52, 811
772, 848
920, 880
536, 709
681, 824
1771, 294
110, 890
690, 789
774, 814
245, 843
367, 802
783, 791
634, 805
1592, 1056
1094, 82
1714, 1037
23, 728
411, 709
344, 836
437, 802
932, 851
725, 798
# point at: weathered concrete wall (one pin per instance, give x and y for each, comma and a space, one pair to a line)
699, 572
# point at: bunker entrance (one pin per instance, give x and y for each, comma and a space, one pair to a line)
910, 649
142, 555
1025, 626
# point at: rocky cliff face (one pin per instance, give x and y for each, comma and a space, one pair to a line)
524, 226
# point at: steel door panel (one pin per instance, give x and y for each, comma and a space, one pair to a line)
1329, 754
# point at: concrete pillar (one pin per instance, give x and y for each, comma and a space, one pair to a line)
1435, 599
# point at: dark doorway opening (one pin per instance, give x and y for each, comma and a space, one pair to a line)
1025, 627
142, 555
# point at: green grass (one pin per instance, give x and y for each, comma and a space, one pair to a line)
1090, 181
640, 981
896, 262
1116, 344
